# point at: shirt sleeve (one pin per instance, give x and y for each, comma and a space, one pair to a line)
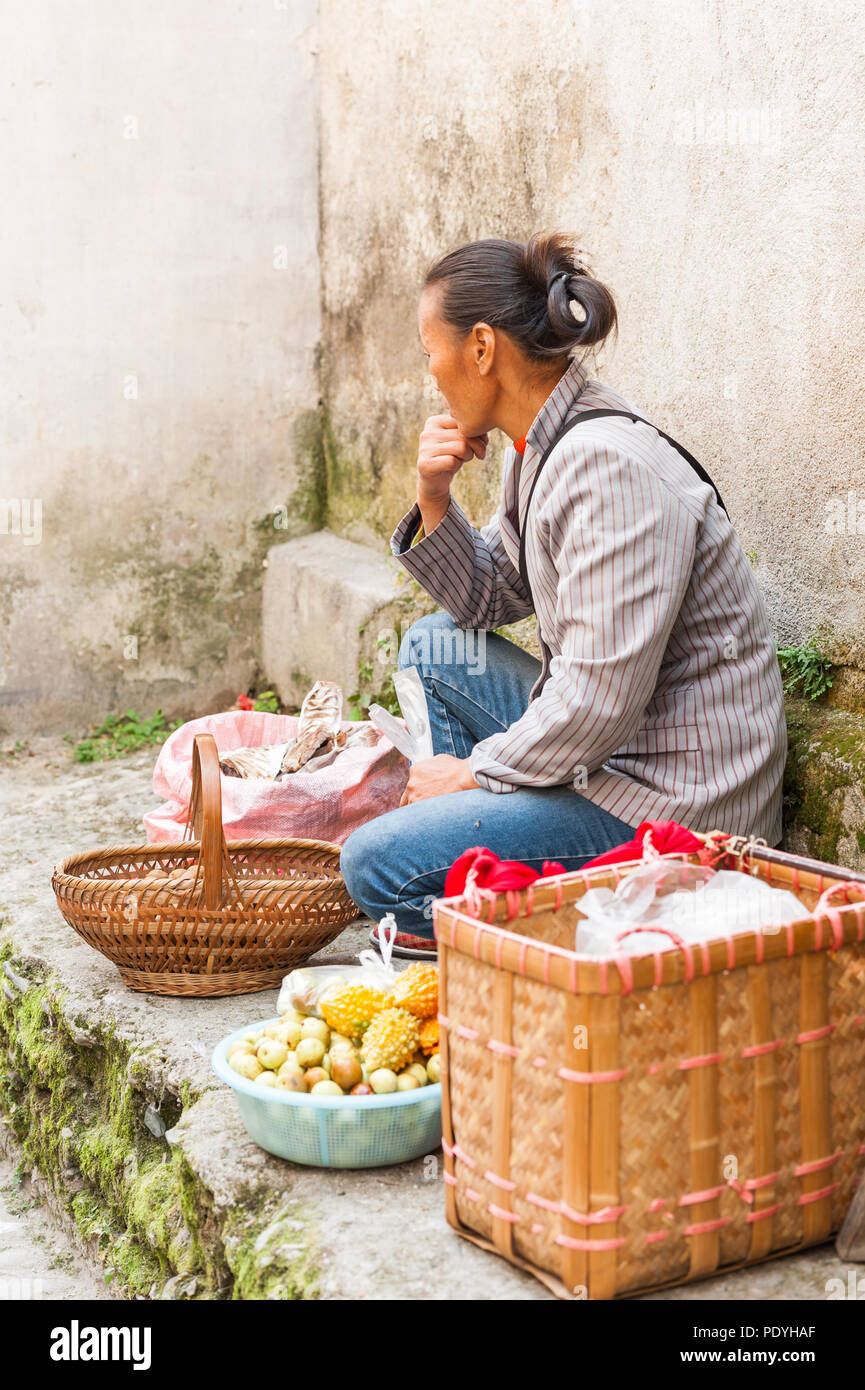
465, 570
621, 548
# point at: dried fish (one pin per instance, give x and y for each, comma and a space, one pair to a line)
318, 743
254, 762
318, 725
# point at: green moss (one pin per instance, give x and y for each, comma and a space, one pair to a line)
270, 1257
76, 1109
825, 761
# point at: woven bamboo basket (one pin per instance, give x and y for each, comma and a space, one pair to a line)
206, 918
620, 1125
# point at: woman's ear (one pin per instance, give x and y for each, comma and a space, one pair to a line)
483, 347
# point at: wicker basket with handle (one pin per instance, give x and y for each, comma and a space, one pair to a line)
206, 918
619, 1125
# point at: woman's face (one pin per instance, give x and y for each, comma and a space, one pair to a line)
460, 367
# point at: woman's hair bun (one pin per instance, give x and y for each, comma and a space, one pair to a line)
538, 292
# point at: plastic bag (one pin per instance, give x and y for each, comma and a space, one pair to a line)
686, 902
323, 804
303, 989
640, 899
415, 741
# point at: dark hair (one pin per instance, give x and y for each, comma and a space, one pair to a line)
526, 290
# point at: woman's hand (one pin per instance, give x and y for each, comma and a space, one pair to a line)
442, 451
436, 777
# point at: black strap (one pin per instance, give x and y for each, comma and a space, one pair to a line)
578, 420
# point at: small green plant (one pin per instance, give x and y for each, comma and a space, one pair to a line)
359, 702
267, 702
17, 747
121, 734
806, 671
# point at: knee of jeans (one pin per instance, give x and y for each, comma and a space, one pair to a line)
358, 858
418, 644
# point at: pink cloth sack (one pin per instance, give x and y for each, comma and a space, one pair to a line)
328, 804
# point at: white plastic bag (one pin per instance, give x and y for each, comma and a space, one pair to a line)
415, 741
302, 990
641, 898
687, 901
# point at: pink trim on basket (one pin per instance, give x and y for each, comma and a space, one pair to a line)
710, 1058
472, 1195
760, 1049
573, 1244
708, 1194
808, 1197
506, 1049
817, 1165
522, 963
703, 1226
443, 1020
502, 1214
446, 1148
449, 1179
816, 1033
537, 1229
504, 1183
766, 1181
470, 1034
658, 1203
654, 1068
655, 1236
544, 1202
530, 900
767, 1211
500, 941
592, 1218
539, 1062
462, 1156
591, 1078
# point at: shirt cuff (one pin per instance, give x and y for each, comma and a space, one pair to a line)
486, 779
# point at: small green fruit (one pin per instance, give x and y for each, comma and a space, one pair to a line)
315, 1028
326, 1088
271, 1053
310, 1052
383, 1081
291, 1081
246, 1064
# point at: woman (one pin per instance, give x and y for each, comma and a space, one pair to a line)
659, 695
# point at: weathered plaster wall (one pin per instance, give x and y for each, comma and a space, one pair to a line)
709, 156
158, 345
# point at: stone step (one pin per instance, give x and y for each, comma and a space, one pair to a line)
326, 604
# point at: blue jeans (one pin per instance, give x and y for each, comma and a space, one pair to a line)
398, 862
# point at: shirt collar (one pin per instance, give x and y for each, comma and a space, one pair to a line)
552, 413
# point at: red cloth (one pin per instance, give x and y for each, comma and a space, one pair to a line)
668, 837
492, 872
520, 445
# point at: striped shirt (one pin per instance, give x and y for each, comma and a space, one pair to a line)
660, 694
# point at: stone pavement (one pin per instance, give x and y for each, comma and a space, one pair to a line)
91, 1075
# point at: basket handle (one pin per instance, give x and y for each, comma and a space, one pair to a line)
204, 823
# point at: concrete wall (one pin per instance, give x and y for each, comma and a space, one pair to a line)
709, 156
158, 348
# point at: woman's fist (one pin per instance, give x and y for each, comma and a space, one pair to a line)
442, 451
